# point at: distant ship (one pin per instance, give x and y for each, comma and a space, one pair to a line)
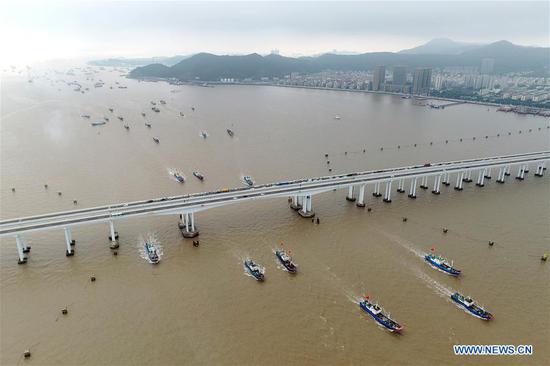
255, 270
148, 124
127, 127
180, 178
85, 116
337, 117
204, 134
156, 140
247, 179
442, 264
198, 175
162, 102
181, 114
120, 118
230, 133
111, 109
98, 123
143, 114
286, 260
156, 109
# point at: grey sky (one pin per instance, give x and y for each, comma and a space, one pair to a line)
42, 30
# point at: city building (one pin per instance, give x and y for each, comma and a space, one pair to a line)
399, 77
379, 78
422, 81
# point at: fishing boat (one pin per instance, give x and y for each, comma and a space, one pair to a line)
152, 253
247, 179
143, 114
156, 140
230, 133
85, 116
155, 109
469, 305
111, 110
106, 119
121, 118
337, 117
147, 124
442, 264
286, 260
180, 178
127, 127
98, 123
377, 314
204, 134
255, 270
193, 109
198, 175
181, 114
162, 101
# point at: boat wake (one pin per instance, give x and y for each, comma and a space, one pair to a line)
437, 287
410, 246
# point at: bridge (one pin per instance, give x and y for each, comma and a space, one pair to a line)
299, 193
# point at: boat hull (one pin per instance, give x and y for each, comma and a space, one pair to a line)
481, 315
290, 268
257, 276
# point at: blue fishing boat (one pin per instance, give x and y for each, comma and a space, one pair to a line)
152, 253
377, 314
469, 305
286, 260
442, 264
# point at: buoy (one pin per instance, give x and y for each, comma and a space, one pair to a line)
491, 243
474, 138
381, 149
460, 140
446, 141
414, 145
330, 170
544, 257
431, 143
75, 202
345, 152
404, 219
445, 230
46, 186
312, 220
59, 193
326, 155
27, 353
363, 151
195, 243
328, 161
318, 221
13, 189
92, 278
399, 146
369, 209
115, 252
64, 311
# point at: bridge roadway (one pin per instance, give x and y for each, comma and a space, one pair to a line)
300, 190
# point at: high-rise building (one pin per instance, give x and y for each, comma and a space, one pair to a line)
487, 65
399, 75
422, 80
379, 78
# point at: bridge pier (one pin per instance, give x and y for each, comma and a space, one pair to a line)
70, 242
521, 173
306, 210
526, 168
437, 183
500, 177
361, 200
376, 192
540, 170
350, 197
113, 237
295, 205
507, 170
424, 183
187, 225
401, 186
387, 195
446, 180
480, 178
488, 173
20, 250
459, 180
412, 190
468, 178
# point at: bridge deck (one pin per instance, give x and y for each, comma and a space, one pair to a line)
201, 201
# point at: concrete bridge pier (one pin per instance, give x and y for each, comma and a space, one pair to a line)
446, 180
468, 177
488, 173
114, 235
20, 252
481, 178
295, 205
306, 210
350, 197
387, 194
521, 173
401, 186
361, 200
376, 192
526, 168
540, 170
459, 181
187, 225
501, 175
412, 190
424, 183
437, 184
70, 242
508, 170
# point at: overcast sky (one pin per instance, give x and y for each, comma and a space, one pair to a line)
33, 31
